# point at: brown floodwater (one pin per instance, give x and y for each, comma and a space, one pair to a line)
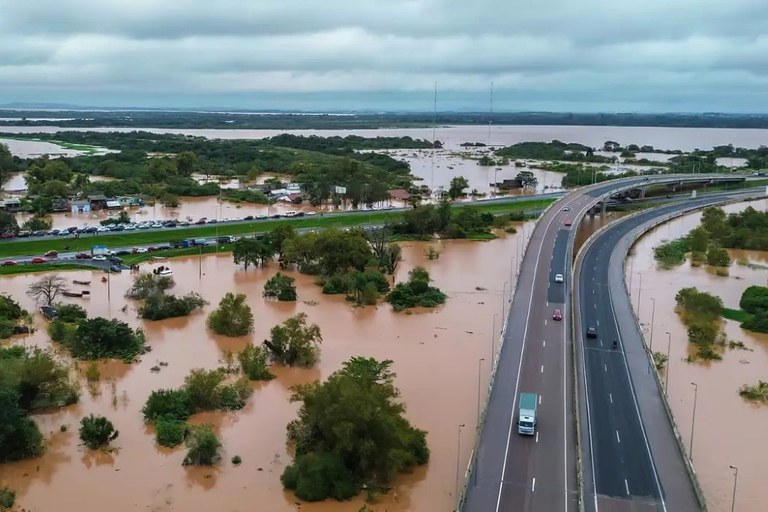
729, 431
436, 355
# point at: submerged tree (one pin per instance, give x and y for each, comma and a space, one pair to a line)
294, 343
97, 431
47, 289
233, 317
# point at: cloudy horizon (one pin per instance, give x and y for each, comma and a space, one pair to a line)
551, 55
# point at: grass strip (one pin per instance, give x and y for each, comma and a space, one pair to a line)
737, 315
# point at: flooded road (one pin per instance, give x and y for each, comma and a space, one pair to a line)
728, 430
436, 356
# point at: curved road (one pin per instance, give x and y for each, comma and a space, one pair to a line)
631, 458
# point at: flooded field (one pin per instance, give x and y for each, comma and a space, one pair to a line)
436, 356
728, 430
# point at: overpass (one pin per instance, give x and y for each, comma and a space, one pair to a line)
509, 472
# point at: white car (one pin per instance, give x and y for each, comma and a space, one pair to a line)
559, 278
311, 213
140, 250
99, 257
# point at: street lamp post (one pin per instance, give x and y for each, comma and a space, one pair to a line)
639, 291
458, 455
493, 342
693, 420
479, 372
653, 316
666, 377
503, 296
735, 481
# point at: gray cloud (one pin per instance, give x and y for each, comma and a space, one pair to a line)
650, 55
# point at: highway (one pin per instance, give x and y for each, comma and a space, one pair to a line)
631, 459
520, 473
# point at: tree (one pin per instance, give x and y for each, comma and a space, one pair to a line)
294, 343
42, 205
351, 433
277, 238
97, 338
186, 163
717, 256
47, 289
170, 200
70, 313
754, 299
527, 179
147, 283
253, 363
97, 431
280, 287
203, 446
458, 184
698, 239
233, 317
416, 292
37, 223
7, 165
250, 251
20, 437
55, 188
159, 306
8, 223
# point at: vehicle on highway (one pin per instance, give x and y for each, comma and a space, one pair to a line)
591, 332
567, 209
9, 263
39, 260
526, 421
99, 257
51, 254
557, 315
116, 268
614, 344
139, 250
24, 234
568, 222
559, 278
82, 256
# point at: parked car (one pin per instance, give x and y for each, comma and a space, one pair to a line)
8, 234
99, 257
9, 263
116, 268
557, 315
139, 250
39, 260
591, 332
24, 234
83, 256
51, 254
568, 222
248, 217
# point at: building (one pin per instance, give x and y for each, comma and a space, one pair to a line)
11, 204
98, 202
80, 206
399, 194
113, 204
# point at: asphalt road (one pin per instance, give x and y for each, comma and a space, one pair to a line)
521, 473
631, 459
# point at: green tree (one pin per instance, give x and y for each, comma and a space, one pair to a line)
55, 188
250, 251
170, 432
97, 338
172, 404
37, 223
698, 239
754, 299
253, 363
70, 313
19, 436
159, 306
41, 205
416, 292
351, 433
8, 223
203, 446
717, 256
277, 238
527, 179
186, 163
280, 287
456, 189
294, 343
233, 317
147, 283
97, 431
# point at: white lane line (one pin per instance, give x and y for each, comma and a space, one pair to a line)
547, 303
610, 397
533, 485
545, 322
626, 486
519, 368
542, 368
543, 343
605, 368
598, 323
539, 399
601, 343
617, 437
537, 436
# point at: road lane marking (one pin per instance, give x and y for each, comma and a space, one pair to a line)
617, 437
545, 322
537, 436
605, 367
598, 321
539, 401
542, 368
543, 343
626, 486
601, 343
610, 397
533, 485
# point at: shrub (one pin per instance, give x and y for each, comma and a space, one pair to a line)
167, 404
754, 299
718, 257
203, 446
236, 460
98, 338
294, 343
253, 363
39, 377
97, 431
19, 436
415, 292
280, 287
170, 432
92, 372
159, 306
758, 322
146, 284
207, 392
70, 313
233, 317
7, 498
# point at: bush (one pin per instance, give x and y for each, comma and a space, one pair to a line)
317, 476
280, 287
672, 253
97, 431
19, 436
92, 373
40, 379
203, 446
167, 404
253, 363
7, 498
70, 313
159, 306
146, 284
98, 338
718, 257
699, 305
207, 392
233, 317
758, 322
237, 460
754, 299
416, 292
170, 432
294, 343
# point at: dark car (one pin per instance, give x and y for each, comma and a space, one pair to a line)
171, 225
116, 268
39, 233
248, 217
115, 259
39, 260
83, 256
557, 315
51, 254
9, 263
591, 332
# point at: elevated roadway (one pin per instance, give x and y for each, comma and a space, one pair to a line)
511, 472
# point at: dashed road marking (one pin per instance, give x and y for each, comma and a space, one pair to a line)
626, 486
605, 367
537, 436
542, 368
533, 485
617, 437
610, 397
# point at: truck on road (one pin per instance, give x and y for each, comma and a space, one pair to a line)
526, 421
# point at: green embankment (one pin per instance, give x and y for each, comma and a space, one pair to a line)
135, 238
737, 315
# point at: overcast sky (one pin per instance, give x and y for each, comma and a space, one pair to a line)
557, 55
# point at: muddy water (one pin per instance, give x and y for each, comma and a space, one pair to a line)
436, 356
728, 430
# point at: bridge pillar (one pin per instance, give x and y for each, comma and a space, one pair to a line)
602, 208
